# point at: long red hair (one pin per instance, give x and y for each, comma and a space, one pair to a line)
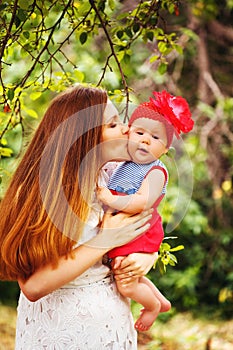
29, 237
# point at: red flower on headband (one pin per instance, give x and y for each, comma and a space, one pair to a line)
174, 109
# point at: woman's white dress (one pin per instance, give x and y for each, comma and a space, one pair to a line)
86, 314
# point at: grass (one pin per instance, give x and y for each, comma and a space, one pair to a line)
7, 327
180, 332
183, 332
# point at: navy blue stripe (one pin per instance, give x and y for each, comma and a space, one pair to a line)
128, 176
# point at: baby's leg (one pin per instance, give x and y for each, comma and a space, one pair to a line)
142, 324
143, 294
165, 304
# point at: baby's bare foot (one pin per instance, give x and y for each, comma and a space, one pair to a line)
146, 319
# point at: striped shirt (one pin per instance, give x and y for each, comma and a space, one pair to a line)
128, 177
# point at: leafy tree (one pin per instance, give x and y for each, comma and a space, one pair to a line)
38, 38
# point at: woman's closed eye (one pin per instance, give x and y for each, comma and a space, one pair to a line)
113, 125
114, 122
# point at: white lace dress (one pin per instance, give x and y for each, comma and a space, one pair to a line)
86, 314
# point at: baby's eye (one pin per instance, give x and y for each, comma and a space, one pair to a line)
139, 132
155, 137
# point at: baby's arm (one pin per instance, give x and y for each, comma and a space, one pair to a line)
144, 198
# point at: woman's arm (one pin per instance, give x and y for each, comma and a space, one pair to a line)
47, 279
143, 199
116, 230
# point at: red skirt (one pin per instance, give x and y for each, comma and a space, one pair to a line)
148, 242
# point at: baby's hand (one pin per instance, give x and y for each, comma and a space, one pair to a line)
104, 195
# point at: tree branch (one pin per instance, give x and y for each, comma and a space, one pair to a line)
104, 69
221, 33
126, 88
3, 46
27, 75
204, 67
8, 34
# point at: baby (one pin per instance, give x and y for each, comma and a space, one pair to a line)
141, 184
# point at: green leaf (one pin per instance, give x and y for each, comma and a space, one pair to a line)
17, 21
79, 75
154, 58
176, 249
172, 263
3, 6
35, 95
162, 68
178, 48
83, 37
126, 58
165, 246
150, 36
3, 142
111, 4
136, 27
123, 15
24, 4
120, 34
10, 94
120, 55
161, 266
129, 32
173, 259
153, 21
101, 5
5, 152
26, 34
165, 259
22, 15
162, 46
171, 7
31, 113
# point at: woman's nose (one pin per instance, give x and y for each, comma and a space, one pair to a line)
124, 129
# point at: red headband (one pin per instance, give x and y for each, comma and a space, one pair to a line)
174, 110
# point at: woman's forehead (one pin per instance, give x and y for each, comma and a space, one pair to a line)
110, 112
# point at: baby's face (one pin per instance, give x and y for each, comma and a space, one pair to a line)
147, 140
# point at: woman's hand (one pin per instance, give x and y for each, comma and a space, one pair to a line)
133, 266
119, 229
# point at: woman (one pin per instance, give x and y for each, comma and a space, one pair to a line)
48, 233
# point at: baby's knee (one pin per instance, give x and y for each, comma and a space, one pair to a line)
166, 306
125, 289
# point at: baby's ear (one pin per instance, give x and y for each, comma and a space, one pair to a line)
171, 152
